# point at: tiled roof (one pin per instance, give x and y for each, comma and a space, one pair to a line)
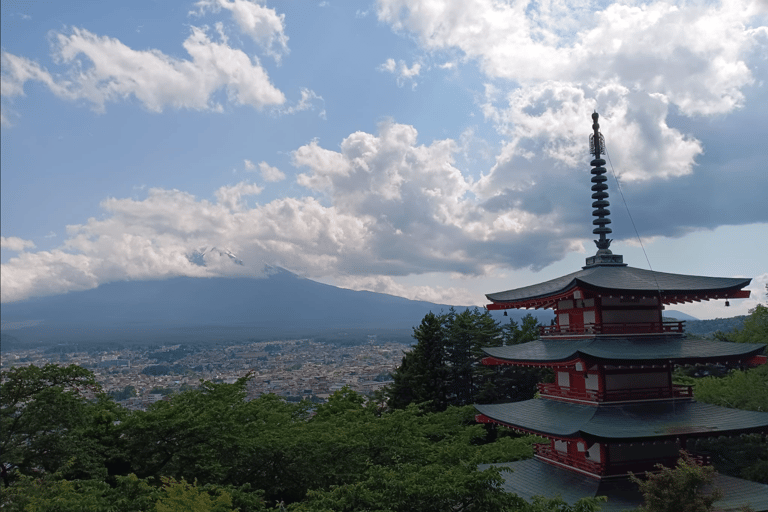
625, 421
623, 279
618, 349
531, 477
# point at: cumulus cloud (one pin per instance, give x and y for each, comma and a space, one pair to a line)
101, 69
376, 207
386, 284
231, 196
269, 173
390, 206
14, 243
551, 63
263, 25
692, 53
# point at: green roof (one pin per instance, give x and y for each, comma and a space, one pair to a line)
532, 477
625, 421
617, 349
623, 279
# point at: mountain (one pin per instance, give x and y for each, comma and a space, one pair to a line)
281, 304
678, 315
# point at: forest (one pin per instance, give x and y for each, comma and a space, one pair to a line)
67, 446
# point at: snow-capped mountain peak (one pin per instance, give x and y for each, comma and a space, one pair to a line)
204, 255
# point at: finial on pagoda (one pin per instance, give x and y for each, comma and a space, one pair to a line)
597, 148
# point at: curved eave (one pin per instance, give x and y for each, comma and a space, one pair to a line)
623, 350
622, 281
624, 422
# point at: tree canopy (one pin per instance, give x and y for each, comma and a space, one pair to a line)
444, 367
71, 448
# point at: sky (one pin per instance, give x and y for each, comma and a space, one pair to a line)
431, 149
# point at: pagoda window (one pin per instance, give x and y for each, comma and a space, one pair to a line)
561, 446
593, 453
643, 451
619, 381
563, 379
591, 381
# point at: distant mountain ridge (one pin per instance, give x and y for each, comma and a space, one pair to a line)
187, 308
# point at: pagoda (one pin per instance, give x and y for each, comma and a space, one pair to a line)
612, 408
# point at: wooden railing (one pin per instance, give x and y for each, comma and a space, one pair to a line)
613, 328
545, 451
593, 395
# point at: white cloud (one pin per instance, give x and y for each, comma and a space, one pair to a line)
391, 207
378, 207
14, 243
103, 69
692, 53
269, 173
549, 64
401, 69
231, 196
388, 285
308, 101
249, 166
263, 25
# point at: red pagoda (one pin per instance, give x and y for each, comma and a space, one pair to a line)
613, 407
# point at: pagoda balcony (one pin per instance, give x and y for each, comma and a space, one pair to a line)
618, 395
548, 454
613, 328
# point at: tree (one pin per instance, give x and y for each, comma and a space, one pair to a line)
755, 328
53, 415
444, 367
527, 330
422, 375
679, 489
466, 335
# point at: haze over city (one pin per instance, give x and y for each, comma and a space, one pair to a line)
432, 150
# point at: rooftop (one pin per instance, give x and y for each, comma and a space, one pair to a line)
531, 477
622, 280
632, 350
624, 421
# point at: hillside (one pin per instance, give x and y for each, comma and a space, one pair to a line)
200, 309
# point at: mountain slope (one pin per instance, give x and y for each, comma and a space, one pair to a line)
281, 304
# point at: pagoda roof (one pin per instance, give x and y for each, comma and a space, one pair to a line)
624, 421
532, 477
625, 349
622, 280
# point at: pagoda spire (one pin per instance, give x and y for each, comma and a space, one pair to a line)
597, 148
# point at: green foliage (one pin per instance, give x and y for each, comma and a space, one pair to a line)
743, 457
179, 496
54, 415
753, 330
527, 330
739, 389
540, 504
407, 487
680, 489
49, 492
123, 394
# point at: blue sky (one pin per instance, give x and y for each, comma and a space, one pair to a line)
430, 149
